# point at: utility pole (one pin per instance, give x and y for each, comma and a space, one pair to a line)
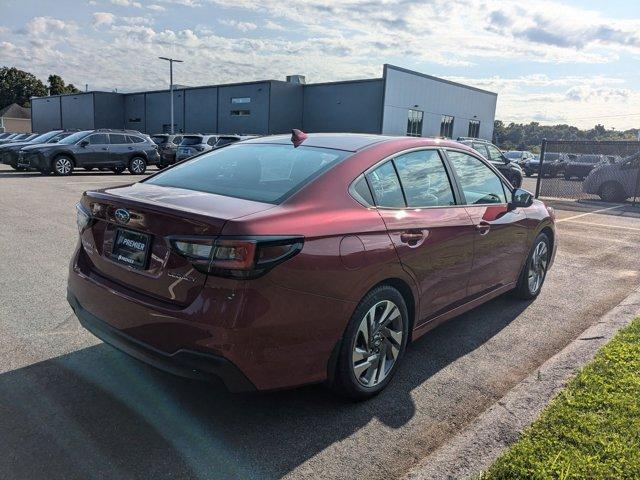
171, 60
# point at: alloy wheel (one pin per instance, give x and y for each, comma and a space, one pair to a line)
63, 166
538, 266
138, 166
377, 343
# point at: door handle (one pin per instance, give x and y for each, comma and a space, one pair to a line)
411, 237
483, 228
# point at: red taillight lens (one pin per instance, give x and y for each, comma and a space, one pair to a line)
236, 257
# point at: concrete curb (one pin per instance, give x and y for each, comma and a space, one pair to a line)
480, 443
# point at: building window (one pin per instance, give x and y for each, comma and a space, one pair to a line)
240, 113
414, 123
446, 126
241, 100
474, 128
135, 120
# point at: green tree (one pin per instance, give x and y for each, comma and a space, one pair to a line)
17, 86
58, 87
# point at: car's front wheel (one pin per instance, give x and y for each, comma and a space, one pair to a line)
534, 271
373, 344
137, 166
63, 166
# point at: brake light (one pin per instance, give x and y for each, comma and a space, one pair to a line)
83, 218
236, 257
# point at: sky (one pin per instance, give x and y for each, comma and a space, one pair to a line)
562, 61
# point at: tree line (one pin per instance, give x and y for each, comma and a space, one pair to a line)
18, 86
529, 136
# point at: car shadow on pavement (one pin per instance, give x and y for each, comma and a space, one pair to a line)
96, 413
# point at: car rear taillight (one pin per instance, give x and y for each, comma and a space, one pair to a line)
83, 218
236, 257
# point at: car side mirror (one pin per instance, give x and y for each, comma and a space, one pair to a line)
84, 143
520, 198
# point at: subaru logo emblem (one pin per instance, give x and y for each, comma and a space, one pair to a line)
122, 215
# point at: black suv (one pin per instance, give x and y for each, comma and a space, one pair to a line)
9, 151
510, 170
167, 147
102, 148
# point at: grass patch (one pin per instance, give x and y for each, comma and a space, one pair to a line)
591, 430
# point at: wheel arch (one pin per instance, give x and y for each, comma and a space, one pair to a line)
67, 154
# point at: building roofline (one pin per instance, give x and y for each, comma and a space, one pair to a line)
340, 82
437, 79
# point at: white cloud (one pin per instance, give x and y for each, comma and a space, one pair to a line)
103, 18
156, 8
126, 3
242, 26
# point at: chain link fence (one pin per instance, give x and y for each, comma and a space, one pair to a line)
608, 171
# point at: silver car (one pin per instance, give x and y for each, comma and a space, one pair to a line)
615, 182
194, 144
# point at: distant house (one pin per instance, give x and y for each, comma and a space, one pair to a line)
15, 118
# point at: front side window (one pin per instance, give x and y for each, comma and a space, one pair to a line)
474, 128
98, 139
479, 184
260, 172
446, 126
385, 186
414, 123
495, 155
424, 179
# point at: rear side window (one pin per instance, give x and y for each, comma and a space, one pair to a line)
118, 139
261, 172
225, 141
424, 179
385, 186
134, 139
480, 185
191, 141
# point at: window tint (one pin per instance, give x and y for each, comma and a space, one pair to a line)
494, 154
225, 141
424, 179
117, 139
414, 123
478, 182
361, 190
386, 186
260, 172
98, 139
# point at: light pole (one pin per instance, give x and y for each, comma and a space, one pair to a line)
171, 60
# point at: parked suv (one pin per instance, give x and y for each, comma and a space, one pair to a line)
9, 151
519, 156
102, 148
552, 166
167, 147
580, 165
511, 170
194, 144
614, 182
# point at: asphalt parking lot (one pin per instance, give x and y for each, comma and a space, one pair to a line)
72, 407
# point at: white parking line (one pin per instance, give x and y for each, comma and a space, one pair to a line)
590, 224
588, 213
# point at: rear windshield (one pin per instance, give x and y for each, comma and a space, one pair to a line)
260, 172
191, 141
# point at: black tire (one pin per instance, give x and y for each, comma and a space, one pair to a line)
62, 166
137, 166
612, 192
345, 381
524, 289
118, 169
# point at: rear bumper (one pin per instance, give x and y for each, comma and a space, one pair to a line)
184, 363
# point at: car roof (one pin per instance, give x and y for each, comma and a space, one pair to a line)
350, 142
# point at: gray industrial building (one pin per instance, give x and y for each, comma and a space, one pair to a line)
402, 102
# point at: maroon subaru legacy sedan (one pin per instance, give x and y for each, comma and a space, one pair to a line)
282, 261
